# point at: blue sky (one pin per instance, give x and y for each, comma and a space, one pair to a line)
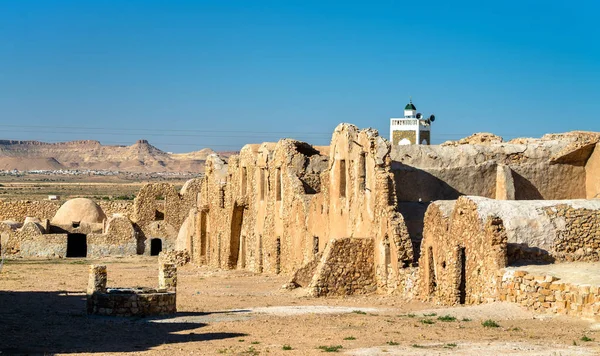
192, 74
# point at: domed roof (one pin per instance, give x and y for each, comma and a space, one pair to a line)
78, 209
410, 106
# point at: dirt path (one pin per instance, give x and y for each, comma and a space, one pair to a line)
240, 313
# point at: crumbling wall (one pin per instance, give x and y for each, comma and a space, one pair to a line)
540, 168
547, 294
157, 201
119, 207
547, 230
19, 210
461, 252
436, 283
159, 211
484, 235
275, 205
118, 239
347, 267
479, 239
359, 201
212, 221
577, 232
30, 241
303, 275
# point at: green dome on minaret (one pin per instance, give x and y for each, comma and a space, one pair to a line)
410, 106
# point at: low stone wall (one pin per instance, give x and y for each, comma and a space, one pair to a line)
346, 268
547, 294
124, 302
132, 301
18, 210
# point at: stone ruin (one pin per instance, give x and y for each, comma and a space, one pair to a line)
81, 228
444, 223
132, 301
432, 222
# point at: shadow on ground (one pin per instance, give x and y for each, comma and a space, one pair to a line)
52, 322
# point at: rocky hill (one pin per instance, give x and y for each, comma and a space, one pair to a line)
139, 157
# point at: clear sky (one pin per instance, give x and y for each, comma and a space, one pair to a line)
192, 74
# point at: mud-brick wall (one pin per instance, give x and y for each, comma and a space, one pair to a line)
579, 238
547, 294
347, 267
18, 210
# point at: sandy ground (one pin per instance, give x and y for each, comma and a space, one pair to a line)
42, 311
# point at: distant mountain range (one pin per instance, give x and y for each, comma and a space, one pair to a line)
139, 157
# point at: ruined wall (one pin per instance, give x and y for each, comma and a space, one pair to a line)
31, 241
18, 210
46, 209
157, 201
358, 200
436, 283
476, 251
347, 267
540, 169
257, 204
461, 253
159, 211
547, 294
275, 205
118, 239
121, 207
211, 221
578, 232
303, 275
547, 230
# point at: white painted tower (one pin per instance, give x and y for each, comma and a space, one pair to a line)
412, 129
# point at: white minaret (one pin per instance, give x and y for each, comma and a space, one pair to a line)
412, 129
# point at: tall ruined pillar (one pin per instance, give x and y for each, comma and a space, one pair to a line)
167, 276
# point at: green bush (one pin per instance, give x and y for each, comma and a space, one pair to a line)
490, 324
446, 318
335, 348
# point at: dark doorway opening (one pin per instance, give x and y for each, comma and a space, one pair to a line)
234, 240
315, 245
432, 283
278, 256
203, 239
155, 247
462, 285
76, 245
159, 215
